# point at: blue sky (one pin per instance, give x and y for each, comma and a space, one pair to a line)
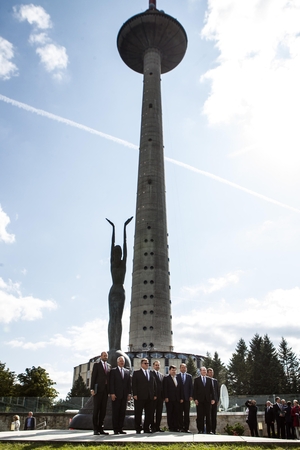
69, 131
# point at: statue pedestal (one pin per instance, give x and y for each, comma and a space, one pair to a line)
84, 419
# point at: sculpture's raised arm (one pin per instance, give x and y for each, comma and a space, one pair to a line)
112, 239
124, 239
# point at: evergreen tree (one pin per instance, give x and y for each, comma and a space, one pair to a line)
35, 382
291, 368
220, 371
79, 389
208, 361
7, 381
237, 370
191, 367
265, 370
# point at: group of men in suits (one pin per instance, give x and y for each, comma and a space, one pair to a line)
150, 389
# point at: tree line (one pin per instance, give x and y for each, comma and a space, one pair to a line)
257, 369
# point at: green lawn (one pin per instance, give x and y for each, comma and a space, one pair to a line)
137, 446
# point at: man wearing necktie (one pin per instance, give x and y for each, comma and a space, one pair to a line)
144, 394
204, 398
214, 407
100, 391
158, 403
120, 393
186, 380
173, 395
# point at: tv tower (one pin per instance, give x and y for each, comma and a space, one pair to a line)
151, 43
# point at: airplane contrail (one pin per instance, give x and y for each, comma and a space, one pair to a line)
230, 183
43, 113
71, 123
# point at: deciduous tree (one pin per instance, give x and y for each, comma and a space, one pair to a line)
35, 382
7, 381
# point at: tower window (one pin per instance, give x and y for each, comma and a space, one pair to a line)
145, 254
144, 328
146, 267
151, 296
151, 282
145, 296
145, 312
145, 281
144, 344
151, 312
150, 105
151, 328
149, 228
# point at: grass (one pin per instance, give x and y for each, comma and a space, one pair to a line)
137, 446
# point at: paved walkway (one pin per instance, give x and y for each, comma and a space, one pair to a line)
84, 436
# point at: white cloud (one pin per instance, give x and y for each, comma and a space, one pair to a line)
283, 233
39, 38
35, 15
213, 284
14, 306
4, 222
54, 58
7, 68
85, 341
219, 328
256, 80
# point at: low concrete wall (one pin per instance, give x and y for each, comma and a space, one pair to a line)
56, 421
60, 421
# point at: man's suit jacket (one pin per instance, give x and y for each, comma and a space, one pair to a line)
203, 393
120, 387
187, 386
269, 415
159, 378
100, 379
172, 392
141, 387
216, 389
32, 423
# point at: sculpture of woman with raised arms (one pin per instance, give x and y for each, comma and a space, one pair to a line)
116, 297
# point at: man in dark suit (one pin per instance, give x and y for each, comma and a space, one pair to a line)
270, 419
214, 407
100, 391
158, 403
30, 422
204, 398
144, 394
186, 380
279, 417
120, 393
173, 395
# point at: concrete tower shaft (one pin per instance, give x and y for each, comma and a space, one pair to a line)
151, 43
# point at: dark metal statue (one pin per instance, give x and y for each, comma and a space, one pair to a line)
116, 297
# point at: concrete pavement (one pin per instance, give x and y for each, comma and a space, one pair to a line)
84, 436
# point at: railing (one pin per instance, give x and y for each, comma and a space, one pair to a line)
39, 404
44, 405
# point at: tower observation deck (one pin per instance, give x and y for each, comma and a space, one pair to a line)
151, 43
